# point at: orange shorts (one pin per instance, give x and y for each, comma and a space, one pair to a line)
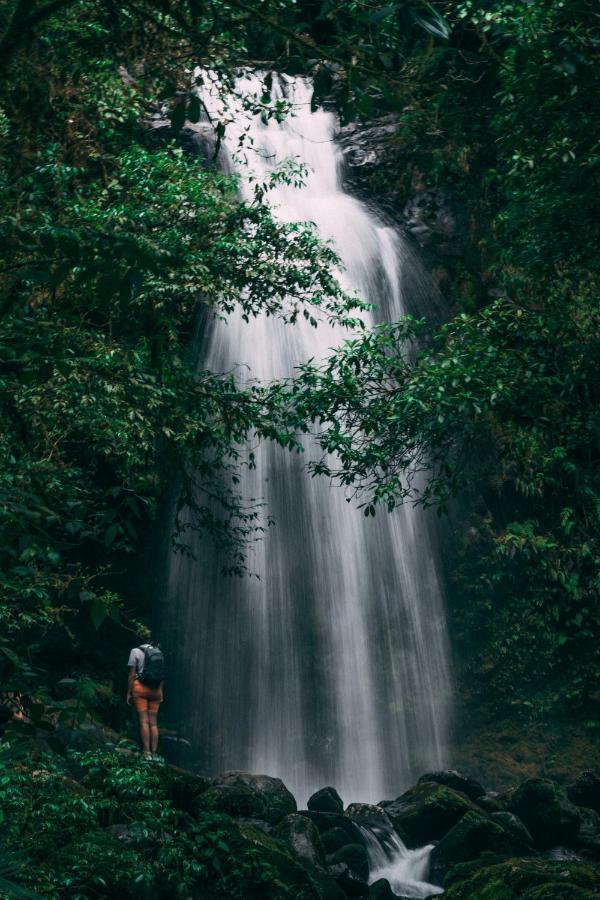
146, 699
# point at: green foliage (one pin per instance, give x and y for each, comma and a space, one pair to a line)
105, 825
114, 252
502, 404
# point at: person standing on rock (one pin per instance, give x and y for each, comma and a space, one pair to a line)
145, 691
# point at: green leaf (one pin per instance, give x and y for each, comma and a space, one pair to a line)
98, 613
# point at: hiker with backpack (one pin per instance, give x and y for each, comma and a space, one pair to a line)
145, 691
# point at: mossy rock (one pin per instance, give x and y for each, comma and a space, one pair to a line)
519, 879
185, 788
273, 800
548, 816
558, 891
381, 890
512, 823
286, 876
302, 838
335, 838
327, 800
354, 856
585, 791
457, 781
427, 812
232, 799
473, 835
350, 854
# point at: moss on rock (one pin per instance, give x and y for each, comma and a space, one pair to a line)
426, 812
522, 879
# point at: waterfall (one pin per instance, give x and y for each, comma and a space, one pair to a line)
406, 870
332, 666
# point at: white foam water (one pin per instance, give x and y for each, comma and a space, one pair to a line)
332, 667
405, 870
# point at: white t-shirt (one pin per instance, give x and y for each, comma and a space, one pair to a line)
136, 658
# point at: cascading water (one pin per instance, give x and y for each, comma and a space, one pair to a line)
332, 666
405, 870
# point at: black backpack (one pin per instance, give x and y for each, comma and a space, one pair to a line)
153, 667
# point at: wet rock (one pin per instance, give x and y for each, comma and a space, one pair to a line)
354, 856
253, 822
426, 812
195, 138
327, 800
436, 218
381, 890
522, 879
457, 781
513, 824
585, 791
588, 838
348, 882
334, 838
287, 872
368, 814
490, 802
272, 800
302, 837
185, 788
366, 154
236, 800
549, 817
472, 836
327, 821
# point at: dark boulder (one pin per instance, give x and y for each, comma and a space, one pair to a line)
436, 218
549, 817
272, 800
302, 838
490, 803
585, 791
457, 781
472, 836
512, 823
354, 856
327, 821
195, 138
368, 814
334, 838
381, 890
286, 871
327, 800
426, 812
348, 882
522, 879
236, 800
369, 153
588, 838
185, 788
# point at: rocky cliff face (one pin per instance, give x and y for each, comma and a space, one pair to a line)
378, 167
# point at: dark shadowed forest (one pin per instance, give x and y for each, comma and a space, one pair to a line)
128, 229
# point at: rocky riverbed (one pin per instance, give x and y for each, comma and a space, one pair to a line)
106, 823
532, 841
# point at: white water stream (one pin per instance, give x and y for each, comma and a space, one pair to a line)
406, 870
332, 667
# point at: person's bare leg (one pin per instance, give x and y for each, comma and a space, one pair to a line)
144, 731
153, 728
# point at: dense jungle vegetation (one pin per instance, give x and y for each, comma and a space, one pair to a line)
115, 247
